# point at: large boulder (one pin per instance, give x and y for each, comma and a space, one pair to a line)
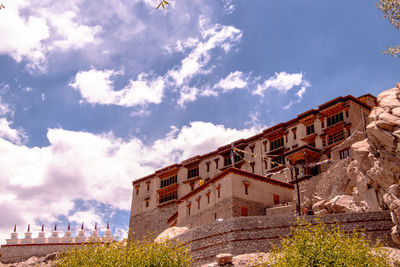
170, 233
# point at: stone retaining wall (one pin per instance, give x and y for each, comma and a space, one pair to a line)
257, 233
152, 222
21, 252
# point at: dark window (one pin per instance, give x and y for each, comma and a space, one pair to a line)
227, 161
348, 132
208, 198
169, 181
344, 153
193, 172
137, 190
252, 167
188, 206
277, 161
277, 143
335, 118
208, 166
198, 204
219, 192
236, 157
147, 202
336, 137
322, 124
168, 196
216, 163
148, 186
246, 190
310, 129
347, 113
294, 135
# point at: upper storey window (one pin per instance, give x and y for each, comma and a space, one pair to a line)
193, 172
277, 143
238, 156
168, 181
310, 129
335, 118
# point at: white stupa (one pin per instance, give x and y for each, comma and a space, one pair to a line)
41, 239
95, 235
107, 235
14, 237
67, 238
28, 236
81, 238
54, 238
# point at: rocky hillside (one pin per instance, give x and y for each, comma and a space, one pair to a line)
369, 180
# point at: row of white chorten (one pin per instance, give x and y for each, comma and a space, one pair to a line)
55, 239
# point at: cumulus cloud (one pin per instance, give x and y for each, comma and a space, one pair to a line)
10, 134
41, 184
30, 29
197, 60
96, 87
187, 94
282, 82
299, 94
234, 80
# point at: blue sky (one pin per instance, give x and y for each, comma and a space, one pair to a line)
94, 94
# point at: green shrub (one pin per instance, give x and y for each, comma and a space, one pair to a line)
321, 245
137, 253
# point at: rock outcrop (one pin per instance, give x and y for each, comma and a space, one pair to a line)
170, 233
369, 180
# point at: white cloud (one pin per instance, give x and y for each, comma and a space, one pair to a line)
302, 90
233, 80
88, 217
229, 7
12, 135
40, 184
196, 62
187, 94
16, 136
282, 82
299, 94
141, 112
29, 30
96, 87
5, 109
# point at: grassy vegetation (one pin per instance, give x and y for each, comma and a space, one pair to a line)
137, 253
321, 245
317, 245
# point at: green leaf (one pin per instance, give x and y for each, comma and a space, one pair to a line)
159, 5
166, 2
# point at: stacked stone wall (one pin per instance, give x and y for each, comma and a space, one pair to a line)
21, 252
225, 209
152, 222
253, 208
221, 210
258, 233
